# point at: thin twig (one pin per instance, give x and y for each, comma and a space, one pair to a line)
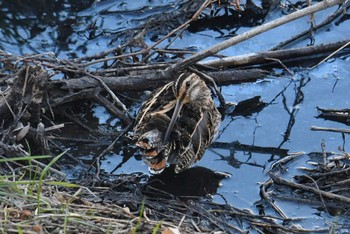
282, 64
146, 50
181, 27
114, 97
320, 194
324, 153
52, 170
8, 105
266, 197
329, 56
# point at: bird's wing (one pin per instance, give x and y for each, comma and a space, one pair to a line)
160, 100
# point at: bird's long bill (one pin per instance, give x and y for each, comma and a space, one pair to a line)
176, 113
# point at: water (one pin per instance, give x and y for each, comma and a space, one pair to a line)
79, 28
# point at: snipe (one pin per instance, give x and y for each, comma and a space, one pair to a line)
176, 124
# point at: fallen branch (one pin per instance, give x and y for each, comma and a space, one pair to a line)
318, 192
288, 55
151, 81
249, 34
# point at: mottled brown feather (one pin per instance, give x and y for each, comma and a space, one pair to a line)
193, 131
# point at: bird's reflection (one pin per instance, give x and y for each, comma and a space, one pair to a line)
193, 182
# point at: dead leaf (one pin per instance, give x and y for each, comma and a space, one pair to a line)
23, 132
171, 231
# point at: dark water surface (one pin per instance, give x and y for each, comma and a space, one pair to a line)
73, 29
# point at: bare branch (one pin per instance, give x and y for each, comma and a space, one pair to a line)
249, 34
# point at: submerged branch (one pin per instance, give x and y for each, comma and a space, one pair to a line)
249, 148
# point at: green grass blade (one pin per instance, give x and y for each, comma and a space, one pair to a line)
43, 173
61, 183
134, 230
25, 158
156, 228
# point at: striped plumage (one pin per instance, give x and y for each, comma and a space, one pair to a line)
176, 124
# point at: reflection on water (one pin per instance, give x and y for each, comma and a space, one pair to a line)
40, 26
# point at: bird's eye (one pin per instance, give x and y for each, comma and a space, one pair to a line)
188, 84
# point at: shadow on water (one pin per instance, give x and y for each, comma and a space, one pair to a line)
226, 21
193, 182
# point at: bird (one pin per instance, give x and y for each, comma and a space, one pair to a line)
176, 124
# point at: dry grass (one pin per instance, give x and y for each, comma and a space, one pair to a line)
33, 202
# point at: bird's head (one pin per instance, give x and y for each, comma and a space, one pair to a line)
188, 88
